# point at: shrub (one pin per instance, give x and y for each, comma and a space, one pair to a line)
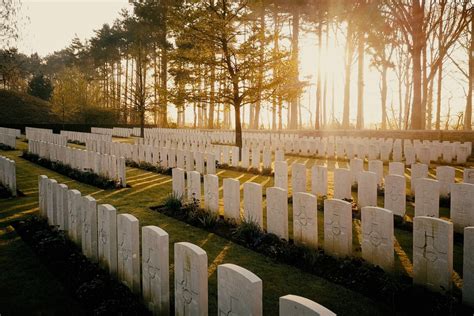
173, 202
6, 147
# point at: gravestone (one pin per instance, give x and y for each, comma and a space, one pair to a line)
298, 178
89, 227
377, 237
468, 267
462, 206
155, 269
468, 176
267, 158
74, 216
128, 251
51, 200
42, 194
432, 253
190, 281
356, 166
245, 162
232, 199
179, 184
211, 193
395, 194
277, 212
319, 180
299, 306
239, 291
417, 171
376, 166
342, 184
396, 168
253, 203
337, 227
427, 197
445, 176
61, 206
367, 189
210, 163
305, 219
281, 174
194, 186
107, 237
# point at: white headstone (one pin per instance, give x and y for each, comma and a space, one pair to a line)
107, 237
356, 166
468, 176
432, 253
337, 227
281, 174
376, 166
190, 280
298, 177
128, 251
74, 202
367, 189
445, 176
342, 184
42, 194
239, 291
319, 180
277, 212
395, 194
417, 171
211, 193
396, 168
253, 202
179, 184
299, 306
232, 199
155, 269
427, 197
468, 267
462, 206
377, 237
305, 219
194, 186
89, 227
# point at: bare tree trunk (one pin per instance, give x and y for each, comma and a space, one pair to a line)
468, 112
317, 120
349, 51
383, 92
360, 82
293, 110
418, 44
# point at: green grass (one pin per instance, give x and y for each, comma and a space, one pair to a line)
151, 189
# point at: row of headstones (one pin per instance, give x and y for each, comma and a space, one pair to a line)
114, 242
10, 131
331, 146
8, 140
82, 137
45, 135
8, 174
116, 131
432, 237
160, 156
427, 197
109, 166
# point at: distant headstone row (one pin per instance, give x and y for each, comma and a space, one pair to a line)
113, 240
8, 174
432, 237
116, 131
45, 135
109, 166
83, 137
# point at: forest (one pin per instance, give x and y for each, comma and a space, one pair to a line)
238, 64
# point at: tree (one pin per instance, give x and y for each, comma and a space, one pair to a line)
41, 87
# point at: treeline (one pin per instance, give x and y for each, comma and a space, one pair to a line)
223, 60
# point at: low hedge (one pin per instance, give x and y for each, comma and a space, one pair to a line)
5, 193
149, 167
6, 147
397, 291
94, 288
87, 177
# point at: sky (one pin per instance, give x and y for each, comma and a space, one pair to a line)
52, 24
48, 26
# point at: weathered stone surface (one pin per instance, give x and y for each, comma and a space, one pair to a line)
342, 184
107, 237
155, 269
194, 186
190, 281
89, 227
42, 194
337, 227
232, 199
61, 206
445, 176
432, 253
253, 202
179, 183
468, 176
305, 219
367, 189
396, 168
74, 216
299, 306
298, 177
277, 212
376, 166
377, 237
281, 174
462, 206
427, 197
128, 251
239, 291
395, 194
468, 267
356, 166
417, 171
211, 193
319, 180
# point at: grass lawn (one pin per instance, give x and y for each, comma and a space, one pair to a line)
149, 189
